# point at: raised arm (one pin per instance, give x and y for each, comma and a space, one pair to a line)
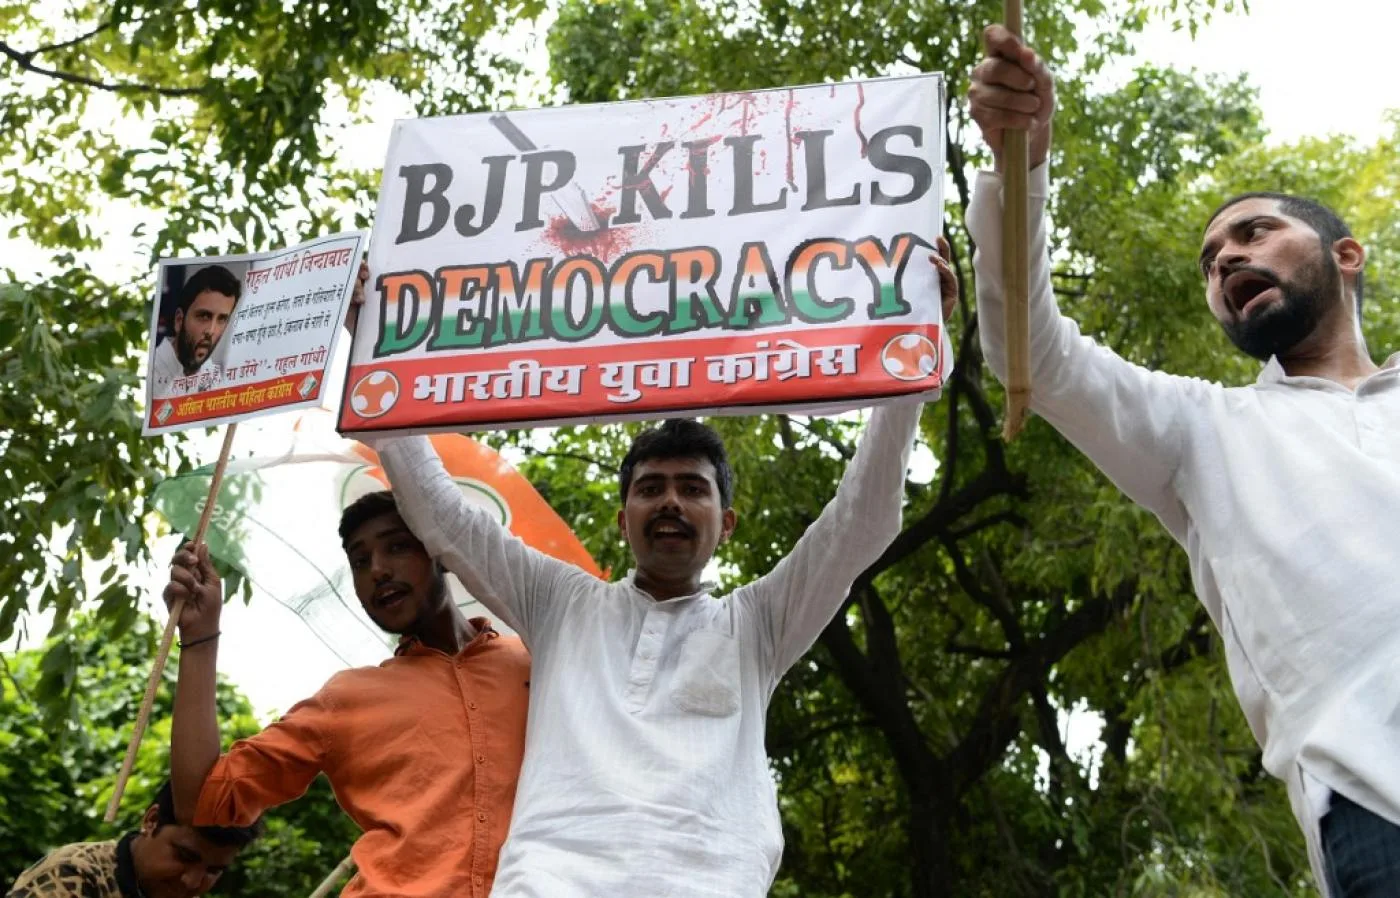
519, 584
1126, 418
275, 766
194, 731
793, 603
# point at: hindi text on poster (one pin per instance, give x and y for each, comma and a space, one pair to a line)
736, 251
237, 336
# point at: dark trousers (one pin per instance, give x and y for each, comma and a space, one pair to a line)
1361, 850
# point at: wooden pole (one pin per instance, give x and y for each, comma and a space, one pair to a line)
328, 884
1015, 262
144, 715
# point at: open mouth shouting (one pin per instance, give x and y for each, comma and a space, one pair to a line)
669, 529
391, 595
1248, 289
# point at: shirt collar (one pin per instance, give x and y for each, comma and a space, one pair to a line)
410, 645
1273, 373
706, 587
126, 868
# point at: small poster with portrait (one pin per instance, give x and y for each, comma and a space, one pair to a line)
234, 337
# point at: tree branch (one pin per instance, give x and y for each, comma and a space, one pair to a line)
887, 707
940, 517
571, 456
958, 648
64, 45
998, 717
991, 520
997, 603
25, 62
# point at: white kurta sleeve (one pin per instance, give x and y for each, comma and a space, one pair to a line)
521, 585
791, 604
1127, 419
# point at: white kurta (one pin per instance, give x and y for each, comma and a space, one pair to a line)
1285, 494
645, 771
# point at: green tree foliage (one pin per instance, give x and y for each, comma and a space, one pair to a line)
921, 749
216, 122
56, 779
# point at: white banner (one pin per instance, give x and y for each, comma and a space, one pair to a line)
731, 252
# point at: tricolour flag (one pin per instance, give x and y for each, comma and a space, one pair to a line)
276, 517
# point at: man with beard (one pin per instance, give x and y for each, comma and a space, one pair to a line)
422, 751
163, 859
645, 771
206, 304
1284, 493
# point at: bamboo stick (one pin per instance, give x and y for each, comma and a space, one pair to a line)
163, 654
1015, 264
334, 878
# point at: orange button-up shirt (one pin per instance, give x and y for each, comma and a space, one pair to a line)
422, 752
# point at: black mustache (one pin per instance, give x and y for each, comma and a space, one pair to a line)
679, 524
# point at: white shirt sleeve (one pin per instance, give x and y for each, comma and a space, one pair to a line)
1127, 419
793, 603
522, 586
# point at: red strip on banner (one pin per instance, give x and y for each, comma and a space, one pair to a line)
244, 398
754, 369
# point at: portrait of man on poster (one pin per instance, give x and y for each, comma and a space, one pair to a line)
197, 307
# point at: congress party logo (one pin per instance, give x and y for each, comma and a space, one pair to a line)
910, 357
363, 479
374, 394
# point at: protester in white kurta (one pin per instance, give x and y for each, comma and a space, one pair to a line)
645, 771
1285, 494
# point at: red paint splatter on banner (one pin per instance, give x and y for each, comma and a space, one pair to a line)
604, 245
655, 151
746, 112
787, 126
689, 169
860, 103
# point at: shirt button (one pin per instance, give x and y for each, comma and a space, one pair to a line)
481, 759
481, 816
478, 880
471, 706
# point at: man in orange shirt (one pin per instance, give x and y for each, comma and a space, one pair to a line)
422, 751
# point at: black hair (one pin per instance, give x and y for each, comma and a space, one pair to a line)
680, 438
213, 277
1328, 226
366, 508
230, 836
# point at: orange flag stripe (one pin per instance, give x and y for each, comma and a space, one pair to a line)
531, 517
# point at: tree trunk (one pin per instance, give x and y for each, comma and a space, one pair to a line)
930, 844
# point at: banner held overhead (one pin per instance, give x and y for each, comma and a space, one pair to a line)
722, 253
